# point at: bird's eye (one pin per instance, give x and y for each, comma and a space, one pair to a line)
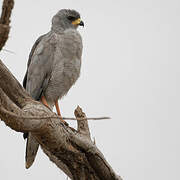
71, 18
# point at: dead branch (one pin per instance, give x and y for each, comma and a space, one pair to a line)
91, 118
5, 20
71, 150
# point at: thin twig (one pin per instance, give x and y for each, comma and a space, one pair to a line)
46, 117
96, 118
8, 51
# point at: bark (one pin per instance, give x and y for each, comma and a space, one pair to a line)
5, 20
71, 150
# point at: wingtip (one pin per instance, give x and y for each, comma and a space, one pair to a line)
28, 165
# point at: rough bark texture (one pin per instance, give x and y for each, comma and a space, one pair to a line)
4, 21
71, 150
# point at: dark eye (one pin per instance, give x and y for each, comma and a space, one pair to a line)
71, 18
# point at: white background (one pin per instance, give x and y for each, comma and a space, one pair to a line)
130, 72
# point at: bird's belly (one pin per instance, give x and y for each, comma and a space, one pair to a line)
62, 78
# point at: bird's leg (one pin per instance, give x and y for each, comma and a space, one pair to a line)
43, 100
57, 108
58, 111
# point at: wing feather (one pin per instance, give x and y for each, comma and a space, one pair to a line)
30, 57
36, 80
39, 66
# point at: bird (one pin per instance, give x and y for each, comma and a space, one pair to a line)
53, 67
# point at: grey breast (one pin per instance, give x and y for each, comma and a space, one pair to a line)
66, 64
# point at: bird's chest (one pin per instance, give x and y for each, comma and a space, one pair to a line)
66, 65
63, 76
70, 46
65, 72
68, 62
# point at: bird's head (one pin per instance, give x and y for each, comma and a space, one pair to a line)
65, 19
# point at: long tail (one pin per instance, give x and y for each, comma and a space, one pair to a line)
31, 150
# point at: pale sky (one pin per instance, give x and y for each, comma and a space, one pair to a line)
130, 72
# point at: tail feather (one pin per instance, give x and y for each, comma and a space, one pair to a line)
31, 150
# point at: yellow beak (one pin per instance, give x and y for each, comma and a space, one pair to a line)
77, 21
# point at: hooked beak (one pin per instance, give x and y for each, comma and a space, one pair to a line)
81, 23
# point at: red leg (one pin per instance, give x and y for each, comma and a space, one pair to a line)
43, 99
58, 112
57, 109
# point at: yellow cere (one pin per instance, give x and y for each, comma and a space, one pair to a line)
76, 22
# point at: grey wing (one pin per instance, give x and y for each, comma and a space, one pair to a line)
30, 56
35, 81
40, 67
25, 135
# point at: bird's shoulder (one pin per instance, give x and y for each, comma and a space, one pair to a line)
38, 46
48, 41
30, 57
41, 57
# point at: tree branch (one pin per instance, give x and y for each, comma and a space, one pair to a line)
13, 88
71, 150
5, 20
83, 127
